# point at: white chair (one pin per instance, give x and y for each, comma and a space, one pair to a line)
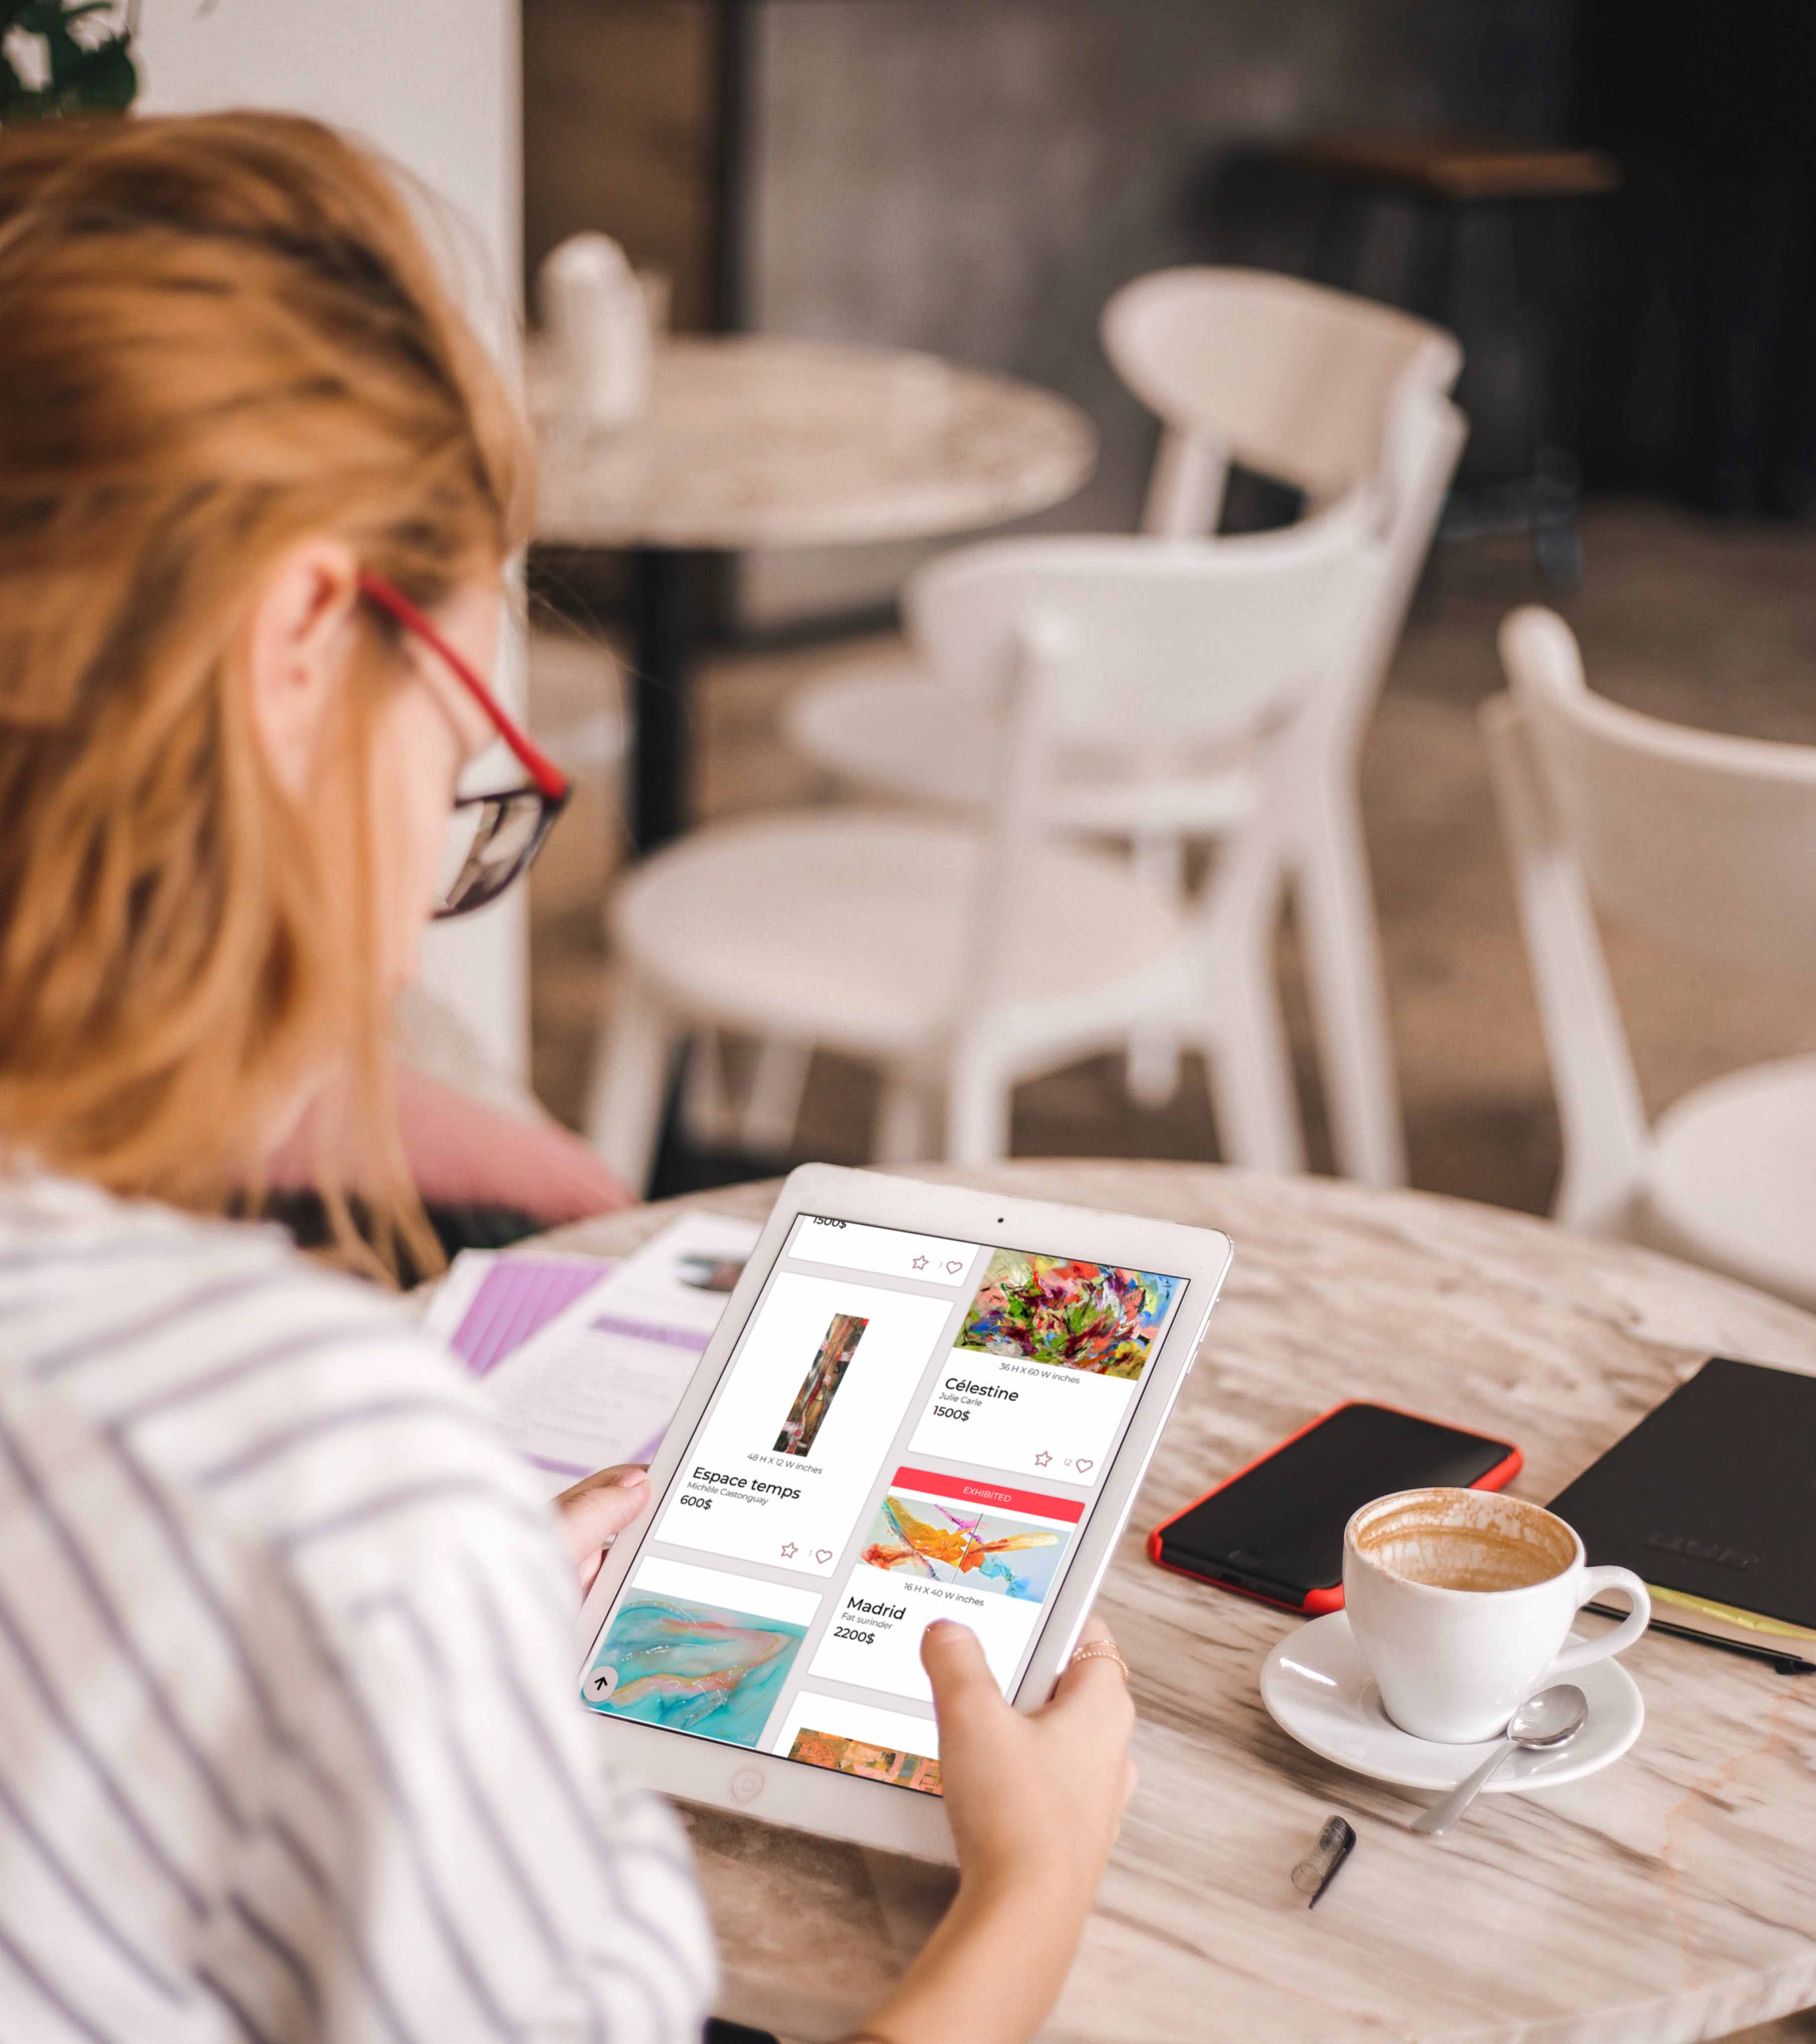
1708, 842
960, 957
1292, 379
1331, 393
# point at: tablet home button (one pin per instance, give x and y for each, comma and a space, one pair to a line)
746, 1784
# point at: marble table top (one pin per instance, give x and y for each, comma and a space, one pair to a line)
765, 440
1671, 1897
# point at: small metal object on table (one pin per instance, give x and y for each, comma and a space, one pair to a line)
760, 440
1551, 1717
1671, 1897
1329, 1855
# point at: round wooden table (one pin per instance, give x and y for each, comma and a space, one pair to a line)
1671, 1897
766, 440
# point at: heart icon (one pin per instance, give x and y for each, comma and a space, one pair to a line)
955, 1268
1083, 1463
822, 1555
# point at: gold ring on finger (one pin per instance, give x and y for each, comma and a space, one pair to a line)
1099, 1650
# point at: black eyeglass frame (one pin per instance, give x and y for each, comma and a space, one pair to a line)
465, 893
476, 886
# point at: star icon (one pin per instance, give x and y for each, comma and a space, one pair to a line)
921, 1263
788, 1550
1043, 1458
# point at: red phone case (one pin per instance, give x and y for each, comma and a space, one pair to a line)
1317, 1602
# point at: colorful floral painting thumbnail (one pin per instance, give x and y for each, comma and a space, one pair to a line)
1075, 1316
873, 1763
694, 1667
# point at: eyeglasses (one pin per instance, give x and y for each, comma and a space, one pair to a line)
492, 839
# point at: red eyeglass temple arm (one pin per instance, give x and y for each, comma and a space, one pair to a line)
549, 778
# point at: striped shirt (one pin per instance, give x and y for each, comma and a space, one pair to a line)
290, 1746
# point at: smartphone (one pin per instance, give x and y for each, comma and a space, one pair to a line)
1275, 1529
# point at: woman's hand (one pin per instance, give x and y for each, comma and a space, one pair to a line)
1034, 1802
595, 1510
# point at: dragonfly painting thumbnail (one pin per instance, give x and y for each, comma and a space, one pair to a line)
920, 1536
1076, 1315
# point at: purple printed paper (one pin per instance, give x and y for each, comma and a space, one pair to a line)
518, 1295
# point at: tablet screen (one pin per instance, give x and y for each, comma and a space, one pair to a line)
909, 1429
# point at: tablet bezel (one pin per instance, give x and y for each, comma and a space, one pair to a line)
842, 1805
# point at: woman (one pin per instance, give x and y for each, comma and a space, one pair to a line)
288, 1746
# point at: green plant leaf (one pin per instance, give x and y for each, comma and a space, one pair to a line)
84, 78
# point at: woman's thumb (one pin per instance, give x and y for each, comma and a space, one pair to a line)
600, 1507
955, 1666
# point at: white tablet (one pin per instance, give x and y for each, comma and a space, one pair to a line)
921, 1403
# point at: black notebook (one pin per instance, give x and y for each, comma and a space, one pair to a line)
1712, 1501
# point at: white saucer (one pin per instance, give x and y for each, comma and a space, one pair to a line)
1318, 1691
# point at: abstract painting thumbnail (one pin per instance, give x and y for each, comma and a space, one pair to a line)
920, 1536
820, 1385
693, 1667
873, 1763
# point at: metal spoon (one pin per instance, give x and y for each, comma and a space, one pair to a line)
1551, 1717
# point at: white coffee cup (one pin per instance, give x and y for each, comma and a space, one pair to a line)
1461, 1600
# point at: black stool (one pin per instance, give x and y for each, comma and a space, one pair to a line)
1518, 317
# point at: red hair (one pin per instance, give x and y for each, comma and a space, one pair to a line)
218, 335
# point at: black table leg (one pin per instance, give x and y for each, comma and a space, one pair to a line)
667, 587
658, 776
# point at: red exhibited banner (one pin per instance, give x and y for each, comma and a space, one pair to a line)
1034, 1502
